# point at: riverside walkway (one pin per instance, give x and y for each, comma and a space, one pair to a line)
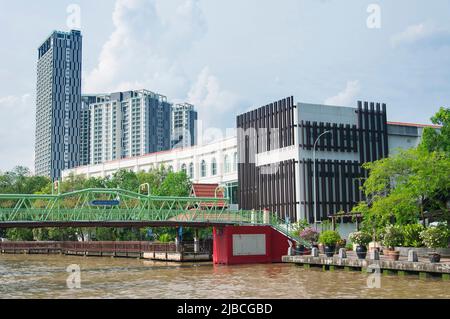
402, 267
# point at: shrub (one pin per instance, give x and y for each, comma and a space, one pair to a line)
310, 235
435, 237
164, 238
349, 246
411, 235
329, 238
300, 226
360, 238
392, 236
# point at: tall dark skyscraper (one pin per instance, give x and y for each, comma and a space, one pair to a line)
58, 104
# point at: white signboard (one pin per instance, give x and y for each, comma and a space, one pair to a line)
249, 245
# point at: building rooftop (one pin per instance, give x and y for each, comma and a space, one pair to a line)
175, 150
414, 124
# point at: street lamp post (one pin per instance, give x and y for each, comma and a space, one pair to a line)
314, 176
144, 187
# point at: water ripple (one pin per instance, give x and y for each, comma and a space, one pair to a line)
34, 276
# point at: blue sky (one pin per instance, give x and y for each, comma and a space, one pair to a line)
229, 56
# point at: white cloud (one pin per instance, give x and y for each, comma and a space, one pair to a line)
421, 33
17, 131
146, 50
411, 34
213, 103
347, 96
146, 47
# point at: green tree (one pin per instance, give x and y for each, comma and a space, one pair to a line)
438, 140
154, 178
19, 234
105, 234
403, 186
73, 183
128, 234
20, 181
41, 234
175, 184
62, 234
94, 182
124, 179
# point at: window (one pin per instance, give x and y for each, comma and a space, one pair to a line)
235, 162
203, 169
227, 164
232, 193
191, 170
184, 168
171, 168
213, 167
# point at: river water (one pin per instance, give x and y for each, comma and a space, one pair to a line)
41, 276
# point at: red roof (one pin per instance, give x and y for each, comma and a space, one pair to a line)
413, 124
208, 191
205, 190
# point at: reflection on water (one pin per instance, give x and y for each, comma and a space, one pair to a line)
38, 276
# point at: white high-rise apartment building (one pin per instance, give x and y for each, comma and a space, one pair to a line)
184, 125
128, 124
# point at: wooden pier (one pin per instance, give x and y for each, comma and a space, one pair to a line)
146, 250
423, 268
177, 256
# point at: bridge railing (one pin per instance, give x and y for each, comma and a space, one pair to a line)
108, 205
128, 207
136, 214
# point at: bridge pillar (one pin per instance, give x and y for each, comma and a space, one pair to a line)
178, 241
196, 242
177, 245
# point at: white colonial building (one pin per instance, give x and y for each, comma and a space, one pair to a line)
214, 163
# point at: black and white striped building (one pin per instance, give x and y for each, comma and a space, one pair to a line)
275, 146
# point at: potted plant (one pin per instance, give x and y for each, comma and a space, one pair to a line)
310, 235
433, 238
329, 239
361, 239
297, 229
392, 237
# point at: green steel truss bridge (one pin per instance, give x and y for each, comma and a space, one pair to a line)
122, 208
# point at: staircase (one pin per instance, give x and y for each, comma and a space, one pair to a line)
283, 229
